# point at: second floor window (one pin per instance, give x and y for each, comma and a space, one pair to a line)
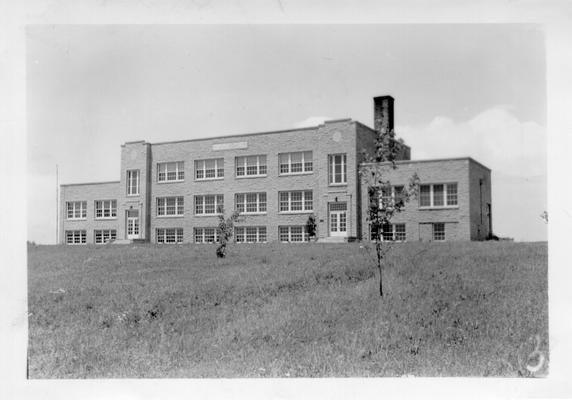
76, 209
209, 169
337, 169
438, 195
251, 166
209, 204
251, 202
171, 171
296, 201
169, 206
132, 182
391, 197
105, 208
296, 163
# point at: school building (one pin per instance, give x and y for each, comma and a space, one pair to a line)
174, 192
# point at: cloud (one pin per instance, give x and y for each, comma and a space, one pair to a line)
514, 150
311, 121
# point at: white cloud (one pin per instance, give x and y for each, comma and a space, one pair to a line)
311, 121
514, 150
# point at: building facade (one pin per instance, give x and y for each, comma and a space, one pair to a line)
174, 192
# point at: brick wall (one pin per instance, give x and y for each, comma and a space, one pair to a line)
89, 192
419, 221
480, 191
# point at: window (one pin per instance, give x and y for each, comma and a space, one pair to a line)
106, 209
250, 234
169, 235
76, 237
210, 204
296, 201
250, 166
209, 169
295, 233
295, 163
337, 169
251, 202
171, 171
390, 232
170, 206
206, 235
104, 235
438, 195
391, 196
76, 209
439, 231
132, 182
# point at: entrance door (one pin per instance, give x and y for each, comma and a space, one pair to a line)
132, 224
338, 219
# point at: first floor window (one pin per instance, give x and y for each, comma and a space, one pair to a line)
209, 204
438, 195
104, 235
295, 233
439, 231
296, 162
76, 209
105, 208
170, 206
169, 235
206, 235
76, 237
296, 201
250, 234
337, 169
171, 171
132, 182
251, 166
212, 168
251, 202
391, 232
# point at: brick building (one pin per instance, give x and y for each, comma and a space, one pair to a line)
172, 192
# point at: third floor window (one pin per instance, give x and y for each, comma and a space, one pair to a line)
171, 171
251, 166
296, 163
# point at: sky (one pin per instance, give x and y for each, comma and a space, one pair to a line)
475, 90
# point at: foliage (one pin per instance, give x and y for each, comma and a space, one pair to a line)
225, 231
384, 203
311, 226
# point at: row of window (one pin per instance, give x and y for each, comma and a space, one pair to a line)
430, 196
292, 163
242, 234
396, 232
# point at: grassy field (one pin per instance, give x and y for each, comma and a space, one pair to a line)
313, 310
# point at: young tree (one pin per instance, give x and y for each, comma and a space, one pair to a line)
225, 231
384, 200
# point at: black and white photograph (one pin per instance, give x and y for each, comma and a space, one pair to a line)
269, 202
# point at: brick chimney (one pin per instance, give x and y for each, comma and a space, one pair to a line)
383, 113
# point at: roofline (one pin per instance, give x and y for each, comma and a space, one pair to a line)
89, 183
470, 159
373, 130
307, 128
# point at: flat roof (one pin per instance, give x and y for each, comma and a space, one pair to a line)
470, 159
89, 183
307, 128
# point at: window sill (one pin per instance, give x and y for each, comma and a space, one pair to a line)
251, 176
76, 219
438, 208
105, 218
170, 216
209, 179
295, 212
207, 215
175, 181
338, 184
133, 195
254, 213
296, 173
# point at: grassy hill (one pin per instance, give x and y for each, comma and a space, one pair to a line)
312, 310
